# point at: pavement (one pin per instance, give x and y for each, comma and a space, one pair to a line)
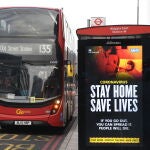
71, 140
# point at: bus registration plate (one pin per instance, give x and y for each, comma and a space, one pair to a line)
24, 123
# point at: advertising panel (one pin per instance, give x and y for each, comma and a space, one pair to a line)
111, 94
114, 89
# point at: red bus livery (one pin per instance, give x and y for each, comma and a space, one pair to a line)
37, 67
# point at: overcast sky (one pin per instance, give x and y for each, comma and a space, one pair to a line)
78, 11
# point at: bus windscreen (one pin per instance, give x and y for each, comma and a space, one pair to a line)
28, 22
29, 71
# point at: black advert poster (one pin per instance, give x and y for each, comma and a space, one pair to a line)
113, 98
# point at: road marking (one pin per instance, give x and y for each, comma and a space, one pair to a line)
55, 145
7, 146
46, 146
4, 136
26, 138
23, 147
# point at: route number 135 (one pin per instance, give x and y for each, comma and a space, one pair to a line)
45, 49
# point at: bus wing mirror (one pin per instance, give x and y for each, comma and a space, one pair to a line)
69, 68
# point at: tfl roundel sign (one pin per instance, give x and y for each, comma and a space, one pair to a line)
97, 21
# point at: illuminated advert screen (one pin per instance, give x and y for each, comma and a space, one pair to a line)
111, 93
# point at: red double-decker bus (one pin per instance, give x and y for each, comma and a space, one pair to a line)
37, 62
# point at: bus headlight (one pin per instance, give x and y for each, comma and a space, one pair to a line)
55, 106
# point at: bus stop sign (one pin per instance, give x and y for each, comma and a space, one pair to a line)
97, 21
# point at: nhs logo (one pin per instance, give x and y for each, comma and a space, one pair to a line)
134, 50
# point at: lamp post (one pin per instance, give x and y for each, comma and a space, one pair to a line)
138, 12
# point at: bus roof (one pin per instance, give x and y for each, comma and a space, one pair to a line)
114, 30
50, 8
